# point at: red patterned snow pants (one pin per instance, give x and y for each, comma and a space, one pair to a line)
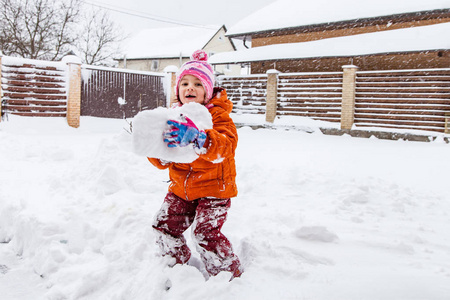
177, 215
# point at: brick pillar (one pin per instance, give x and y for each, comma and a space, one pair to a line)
447, 122
272, 90
73, 90
172, 93
171, 77
348, 96
1, 54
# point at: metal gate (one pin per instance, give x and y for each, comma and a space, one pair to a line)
112, 93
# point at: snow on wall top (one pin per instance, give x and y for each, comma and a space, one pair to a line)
10, 60
294, 13
432, 37
168, 42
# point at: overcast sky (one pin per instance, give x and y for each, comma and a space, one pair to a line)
201, 12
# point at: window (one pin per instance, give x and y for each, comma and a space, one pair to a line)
155, 65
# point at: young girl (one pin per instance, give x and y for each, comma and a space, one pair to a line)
200, 191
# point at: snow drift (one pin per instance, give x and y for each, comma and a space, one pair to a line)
317, 217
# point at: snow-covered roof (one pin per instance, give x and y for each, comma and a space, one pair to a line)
432, 37
168, 42
295, 13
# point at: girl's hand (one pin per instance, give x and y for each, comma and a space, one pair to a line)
184, 133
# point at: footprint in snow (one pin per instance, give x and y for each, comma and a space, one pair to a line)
4, 269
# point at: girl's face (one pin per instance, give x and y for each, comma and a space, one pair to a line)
191, 90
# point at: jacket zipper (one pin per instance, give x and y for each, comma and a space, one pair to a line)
186, 183
222, 177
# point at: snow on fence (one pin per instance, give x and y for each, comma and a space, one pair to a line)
119, 93
33, 87
40, 88
400, 99
248, 93
314, 95
410, 99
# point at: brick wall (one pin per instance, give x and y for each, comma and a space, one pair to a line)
74, 93
412, 60
393, 61
272, 90
1, 102
348, 96
308, 34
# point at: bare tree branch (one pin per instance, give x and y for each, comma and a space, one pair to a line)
48, 29
99, 39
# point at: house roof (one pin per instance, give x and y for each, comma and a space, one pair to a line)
295, 13
168, 42
422, 38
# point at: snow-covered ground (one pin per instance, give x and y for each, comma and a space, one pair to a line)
317, 217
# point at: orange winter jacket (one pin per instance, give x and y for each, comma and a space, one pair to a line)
213, 173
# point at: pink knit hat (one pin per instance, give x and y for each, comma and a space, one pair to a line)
198, 67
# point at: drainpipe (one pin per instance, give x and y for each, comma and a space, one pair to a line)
243, 42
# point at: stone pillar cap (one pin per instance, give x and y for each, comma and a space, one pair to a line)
171, 69
71, 59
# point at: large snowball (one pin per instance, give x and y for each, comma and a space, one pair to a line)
149, 125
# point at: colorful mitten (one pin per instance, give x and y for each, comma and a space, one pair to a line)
184, 133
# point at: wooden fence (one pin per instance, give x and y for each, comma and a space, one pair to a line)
400, 99
410, 99
314, 95
248, 93
33, 88
69, 89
